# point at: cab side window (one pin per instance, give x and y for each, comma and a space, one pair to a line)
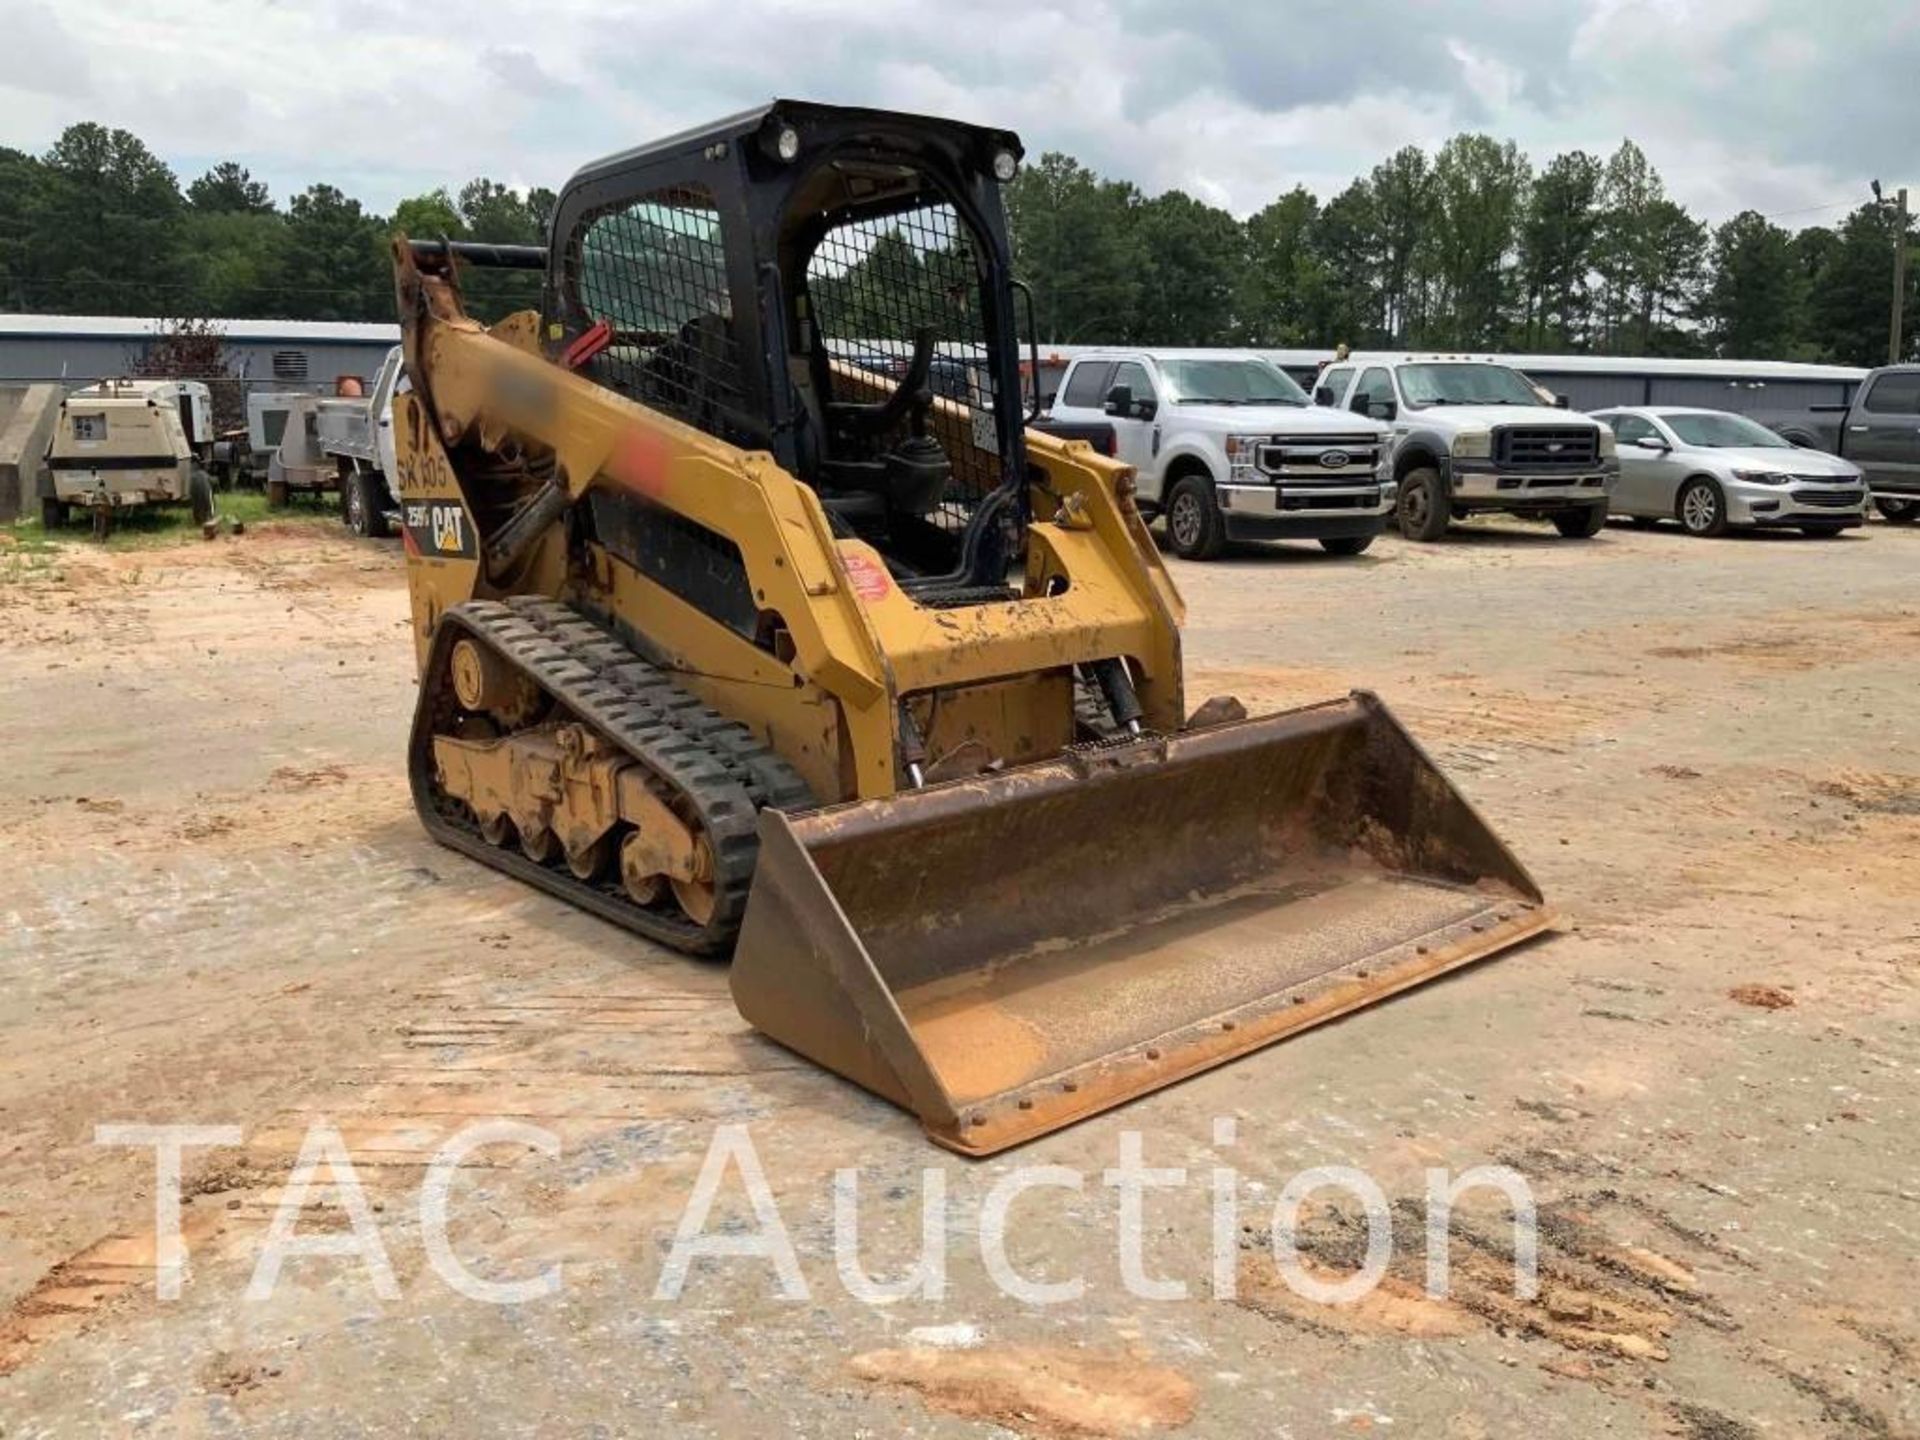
1087, 386
1135, 378
1375, 387
1895, 395
1335, 378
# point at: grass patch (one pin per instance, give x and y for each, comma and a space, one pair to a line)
28, 555
147, 526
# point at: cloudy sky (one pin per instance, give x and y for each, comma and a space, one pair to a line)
1778, 105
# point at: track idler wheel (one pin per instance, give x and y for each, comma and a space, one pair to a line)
496, 830
486, 683
539, 845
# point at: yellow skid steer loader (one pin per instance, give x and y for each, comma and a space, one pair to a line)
753, 616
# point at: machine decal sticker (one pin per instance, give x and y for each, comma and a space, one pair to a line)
440, 530
867, 575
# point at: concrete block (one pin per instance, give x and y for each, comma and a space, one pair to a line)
27, 415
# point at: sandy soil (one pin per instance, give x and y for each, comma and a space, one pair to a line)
219, 910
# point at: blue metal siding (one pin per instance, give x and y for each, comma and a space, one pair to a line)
80, 359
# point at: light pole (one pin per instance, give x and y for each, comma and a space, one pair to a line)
1899, 269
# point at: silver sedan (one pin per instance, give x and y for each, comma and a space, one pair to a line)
1709, 470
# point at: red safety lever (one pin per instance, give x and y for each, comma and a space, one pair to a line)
589, 344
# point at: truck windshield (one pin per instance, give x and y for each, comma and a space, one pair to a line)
1465, 384
1229, 382
1724, 432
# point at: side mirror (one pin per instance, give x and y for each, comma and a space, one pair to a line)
1323, 395
1559, 402
1654, 442
1383, 409
1145, 409
1120, 401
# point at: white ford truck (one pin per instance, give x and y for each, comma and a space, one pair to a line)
1226, 447
1472, 436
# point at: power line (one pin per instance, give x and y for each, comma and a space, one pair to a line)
1808, 209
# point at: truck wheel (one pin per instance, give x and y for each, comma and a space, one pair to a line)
364, 515
1345, 544
353, 504
1424, 509
53, 513
1581, 524
1703, 509
279, 494
200, 497
1896, 512
1195, 528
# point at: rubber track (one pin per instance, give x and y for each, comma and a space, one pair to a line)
719, 768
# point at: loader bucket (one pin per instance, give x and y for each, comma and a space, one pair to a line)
1007, 954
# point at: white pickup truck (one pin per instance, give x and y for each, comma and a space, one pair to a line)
1471, 436
324, 442
1227, 447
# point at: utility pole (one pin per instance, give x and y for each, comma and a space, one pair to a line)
1899, 274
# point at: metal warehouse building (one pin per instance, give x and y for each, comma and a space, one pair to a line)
286, 354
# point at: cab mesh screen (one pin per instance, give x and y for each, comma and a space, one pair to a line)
656, 271
873, 284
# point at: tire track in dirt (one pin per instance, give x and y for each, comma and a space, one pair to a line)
621, 1073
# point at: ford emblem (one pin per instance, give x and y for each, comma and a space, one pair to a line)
1335, 459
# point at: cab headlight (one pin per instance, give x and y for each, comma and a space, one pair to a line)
1243, 455
1761, 477
1474, 444
1607, 443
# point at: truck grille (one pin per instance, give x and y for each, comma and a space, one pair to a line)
1302, 459
1293, 499
1546, 447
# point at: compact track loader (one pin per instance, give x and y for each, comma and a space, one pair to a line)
752, 616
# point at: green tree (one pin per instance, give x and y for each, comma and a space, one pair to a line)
1670, 285
1348, 243
1077, 244
1402, 191
540, 204
1556, 239
1629, 189
103, 231
1195, 257
335, 264
1478, 190
229, 189
1650, 256
500, 216
1284, 281
1753, 304
863, 301
21, 179
236, 260
1849, 311
431, 216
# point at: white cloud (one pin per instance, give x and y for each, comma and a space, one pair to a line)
1740, 102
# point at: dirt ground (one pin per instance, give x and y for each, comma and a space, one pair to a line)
219, 910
